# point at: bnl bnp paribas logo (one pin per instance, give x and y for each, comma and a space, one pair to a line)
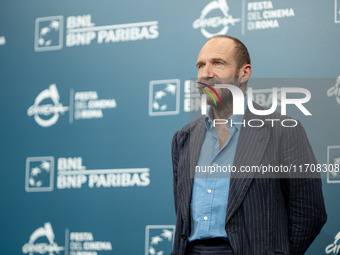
71, 173
159, 239
337, 11
164, 97
81, 31
39, 174
333, 161
2, 40
47, 107
48, 33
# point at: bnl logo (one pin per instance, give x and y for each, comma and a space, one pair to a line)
159, 239
48, 33
337, 11
164, 97
39, 174
333, 161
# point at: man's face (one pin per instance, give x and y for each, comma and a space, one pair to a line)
216, 65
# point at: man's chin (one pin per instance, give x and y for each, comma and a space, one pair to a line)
212, 103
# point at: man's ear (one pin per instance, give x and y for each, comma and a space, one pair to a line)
244, 73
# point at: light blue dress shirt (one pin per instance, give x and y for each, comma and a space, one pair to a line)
210, 195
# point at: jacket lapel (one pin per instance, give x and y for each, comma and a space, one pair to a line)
249, 152
250, 149
195, 134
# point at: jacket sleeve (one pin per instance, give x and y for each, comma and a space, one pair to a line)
305, 203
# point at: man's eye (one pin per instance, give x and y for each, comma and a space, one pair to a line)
201, 66
218, 63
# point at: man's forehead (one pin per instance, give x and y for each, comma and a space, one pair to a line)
217, 46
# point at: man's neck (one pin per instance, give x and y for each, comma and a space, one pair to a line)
223, 112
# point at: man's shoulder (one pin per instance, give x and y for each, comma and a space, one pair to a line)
274, 115
269, 118
182, 135
280, 125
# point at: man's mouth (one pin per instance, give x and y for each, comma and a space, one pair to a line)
205, 84
212, 89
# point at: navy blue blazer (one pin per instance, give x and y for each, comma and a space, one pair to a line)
264, 215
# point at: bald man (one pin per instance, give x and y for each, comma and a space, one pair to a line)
240, 213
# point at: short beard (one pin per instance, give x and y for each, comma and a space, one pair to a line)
225, 94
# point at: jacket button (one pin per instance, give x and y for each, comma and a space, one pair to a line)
184, 237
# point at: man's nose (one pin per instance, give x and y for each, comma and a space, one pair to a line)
208, 71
